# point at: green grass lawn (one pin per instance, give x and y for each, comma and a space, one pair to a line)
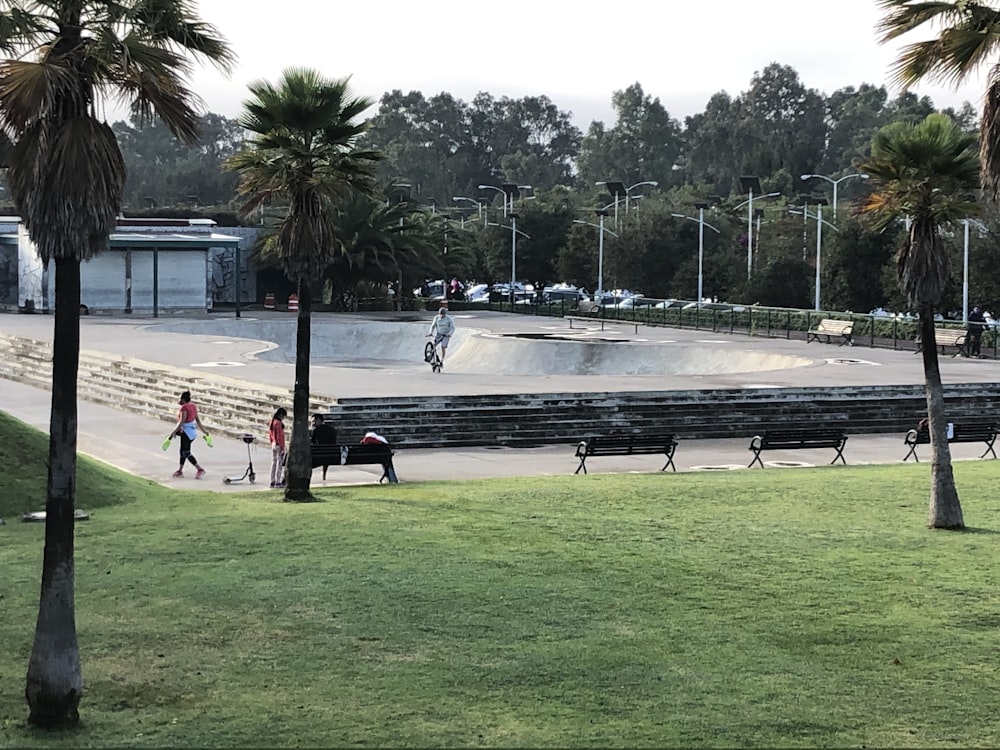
793, 608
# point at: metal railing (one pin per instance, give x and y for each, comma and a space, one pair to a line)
875, 331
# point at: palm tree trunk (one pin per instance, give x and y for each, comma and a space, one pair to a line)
55, 682
945, 511
299, 470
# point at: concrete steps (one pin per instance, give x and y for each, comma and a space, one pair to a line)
232, 407
229, 406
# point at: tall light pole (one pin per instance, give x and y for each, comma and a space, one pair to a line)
835, 183
965, 267
701, 242
601, 213
819, 203
752, 186
514, 231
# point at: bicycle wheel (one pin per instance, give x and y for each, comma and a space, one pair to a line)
428, 352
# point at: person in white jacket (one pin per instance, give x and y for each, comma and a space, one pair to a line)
442, 328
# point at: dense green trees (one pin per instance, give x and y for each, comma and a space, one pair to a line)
438, 148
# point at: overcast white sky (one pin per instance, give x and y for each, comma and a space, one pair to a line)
575, 52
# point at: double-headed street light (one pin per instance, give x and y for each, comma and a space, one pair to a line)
479, 206
820, 221
510, 193
859, 175
619, 191
601, 213
514, 231
701, 241
752, 187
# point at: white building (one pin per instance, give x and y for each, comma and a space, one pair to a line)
151, 265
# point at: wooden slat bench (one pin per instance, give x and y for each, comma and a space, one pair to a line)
794, 439
626, 445
968, 432
947, 337
829, 328
356, 454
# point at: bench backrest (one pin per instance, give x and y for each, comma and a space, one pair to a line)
948, 336
963, 432
656, 439
838, 327
355, 449
815, 437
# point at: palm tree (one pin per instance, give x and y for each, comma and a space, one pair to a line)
302, 153
969, 38
925, 173
66, 177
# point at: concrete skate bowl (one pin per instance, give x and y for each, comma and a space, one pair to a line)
336, 341
350, 342
554, 354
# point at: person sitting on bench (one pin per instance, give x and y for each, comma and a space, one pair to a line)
322, 434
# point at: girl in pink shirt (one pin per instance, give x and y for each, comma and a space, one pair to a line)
276, 434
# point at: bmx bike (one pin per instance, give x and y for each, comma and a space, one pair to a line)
432, 357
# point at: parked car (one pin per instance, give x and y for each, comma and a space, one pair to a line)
561, 293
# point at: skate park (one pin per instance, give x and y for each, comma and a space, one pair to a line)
494, 358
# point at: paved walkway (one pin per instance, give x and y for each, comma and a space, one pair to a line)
132, 443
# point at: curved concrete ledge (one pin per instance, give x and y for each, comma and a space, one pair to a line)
367, 344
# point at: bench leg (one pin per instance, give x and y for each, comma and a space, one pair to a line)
670, 459
840, 455
583, 465
756, 459
913, 452
989, 448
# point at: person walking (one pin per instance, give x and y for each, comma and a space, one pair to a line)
276, 434
442, 329
188, 424
977, 322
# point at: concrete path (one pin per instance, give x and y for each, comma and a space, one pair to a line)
132, 443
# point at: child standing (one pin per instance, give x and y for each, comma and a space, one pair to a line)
276, 434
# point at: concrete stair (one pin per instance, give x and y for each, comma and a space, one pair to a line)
229, 406
233, 407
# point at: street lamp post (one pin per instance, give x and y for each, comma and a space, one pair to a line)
701, 242
819, 203
514, 231
752, 186
835, 183
601, 213
965, 267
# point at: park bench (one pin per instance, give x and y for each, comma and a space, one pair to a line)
626, 445
794, 439
829, 328
969, 432
947, 337
356, 454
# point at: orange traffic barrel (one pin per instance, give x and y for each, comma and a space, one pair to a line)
293, 303
269, 301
